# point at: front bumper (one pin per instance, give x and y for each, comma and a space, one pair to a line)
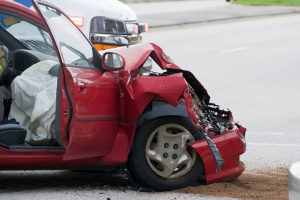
231, 144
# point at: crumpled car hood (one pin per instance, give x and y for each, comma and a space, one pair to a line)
136, 55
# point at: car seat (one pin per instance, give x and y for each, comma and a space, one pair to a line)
12, 134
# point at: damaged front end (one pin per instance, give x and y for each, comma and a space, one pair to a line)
219, 140
224, 139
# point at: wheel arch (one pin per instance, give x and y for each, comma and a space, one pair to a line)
157, 109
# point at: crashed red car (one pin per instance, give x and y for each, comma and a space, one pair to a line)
108, 112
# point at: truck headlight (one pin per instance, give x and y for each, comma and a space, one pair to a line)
103, 25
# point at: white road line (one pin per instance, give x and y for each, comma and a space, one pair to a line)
272, 144
259, 133
234, 50
277, 133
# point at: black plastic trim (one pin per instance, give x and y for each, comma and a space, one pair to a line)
159, 109
32, 148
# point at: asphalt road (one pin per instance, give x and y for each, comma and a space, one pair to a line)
252, 67
249, 66
170, 13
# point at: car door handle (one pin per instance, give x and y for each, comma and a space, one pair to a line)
81, 86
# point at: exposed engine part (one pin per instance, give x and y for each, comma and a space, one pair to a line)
198, 105
213, 119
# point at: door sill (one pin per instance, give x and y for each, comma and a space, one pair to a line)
32, 148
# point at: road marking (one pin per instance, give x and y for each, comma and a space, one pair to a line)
260, 133
234, 50
272, 144
277, 133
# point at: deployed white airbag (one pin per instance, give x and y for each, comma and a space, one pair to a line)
34, 101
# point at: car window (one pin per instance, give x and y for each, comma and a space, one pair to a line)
31, 36
75, 48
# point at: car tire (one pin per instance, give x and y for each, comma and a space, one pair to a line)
161, 157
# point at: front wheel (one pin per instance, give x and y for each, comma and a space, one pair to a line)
161, 157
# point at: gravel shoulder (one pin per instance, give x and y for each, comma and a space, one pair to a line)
269, 184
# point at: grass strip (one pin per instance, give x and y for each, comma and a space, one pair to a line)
268, 2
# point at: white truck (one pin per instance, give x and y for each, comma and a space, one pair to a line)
107, 23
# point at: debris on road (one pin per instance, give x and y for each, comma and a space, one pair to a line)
267, 184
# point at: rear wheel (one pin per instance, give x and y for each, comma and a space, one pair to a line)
161, 157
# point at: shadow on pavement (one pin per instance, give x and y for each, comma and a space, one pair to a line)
13, 181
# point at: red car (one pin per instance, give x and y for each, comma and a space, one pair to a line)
107, 111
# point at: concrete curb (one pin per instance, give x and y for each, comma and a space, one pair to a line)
180, 13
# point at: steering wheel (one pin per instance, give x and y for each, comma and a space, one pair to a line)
18, 61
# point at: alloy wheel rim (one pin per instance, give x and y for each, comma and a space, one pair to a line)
168, 153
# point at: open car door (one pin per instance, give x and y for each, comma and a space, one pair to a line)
87, 99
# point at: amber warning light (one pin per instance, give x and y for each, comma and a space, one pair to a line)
78, 21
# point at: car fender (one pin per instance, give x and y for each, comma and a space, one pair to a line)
135, 97
166, 88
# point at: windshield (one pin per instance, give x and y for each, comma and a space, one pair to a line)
75, 48
31, 36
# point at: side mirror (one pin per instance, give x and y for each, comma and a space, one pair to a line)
112, 61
